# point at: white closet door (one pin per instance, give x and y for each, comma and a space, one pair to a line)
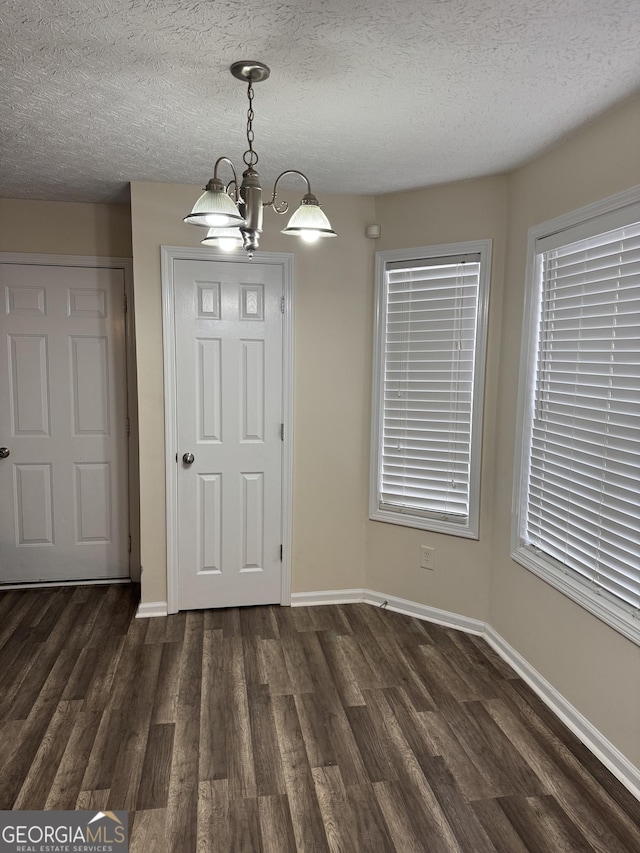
63, 486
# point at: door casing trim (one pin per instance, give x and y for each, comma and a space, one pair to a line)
170, 254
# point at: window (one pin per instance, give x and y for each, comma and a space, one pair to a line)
430, 342
578, 524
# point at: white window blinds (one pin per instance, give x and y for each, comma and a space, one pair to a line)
429, 339
584, 456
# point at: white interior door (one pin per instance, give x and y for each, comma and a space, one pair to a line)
63, 486
228, 338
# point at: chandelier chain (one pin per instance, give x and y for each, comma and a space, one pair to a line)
250, 157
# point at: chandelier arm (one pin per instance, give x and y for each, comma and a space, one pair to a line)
233, 183
283, 207
233, 169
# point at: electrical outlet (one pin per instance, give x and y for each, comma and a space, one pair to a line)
426, 557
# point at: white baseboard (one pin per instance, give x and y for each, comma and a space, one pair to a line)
594, 740
425, 612
391, 602
151, 608
327, 596
48, 584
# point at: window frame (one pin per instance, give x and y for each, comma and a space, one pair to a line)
612, 212
470, 528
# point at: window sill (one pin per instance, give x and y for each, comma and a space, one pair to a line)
466, 531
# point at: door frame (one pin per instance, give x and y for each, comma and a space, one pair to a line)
170, 254
132, 462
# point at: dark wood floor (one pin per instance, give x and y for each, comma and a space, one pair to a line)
341, 728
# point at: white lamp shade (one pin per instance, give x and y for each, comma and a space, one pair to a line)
309, 222
226, 239
215, 209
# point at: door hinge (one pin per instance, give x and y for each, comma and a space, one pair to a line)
281, 432
129, 544
280, 552
282, 305
128, 425
126, 307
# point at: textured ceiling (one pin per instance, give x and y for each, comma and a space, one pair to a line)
367, 96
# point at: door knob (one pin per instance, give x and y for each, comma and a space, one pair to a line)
187, 458
4, 452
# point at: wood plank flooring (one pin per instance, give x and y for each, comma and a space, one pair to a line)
339, 728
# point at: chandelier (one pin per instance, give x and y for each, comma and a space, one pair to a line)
233, 212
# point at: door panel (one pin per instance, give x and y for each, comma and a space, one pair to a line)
228, 325
33, 503
90, 386
29, 366
92, 499
63, 489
